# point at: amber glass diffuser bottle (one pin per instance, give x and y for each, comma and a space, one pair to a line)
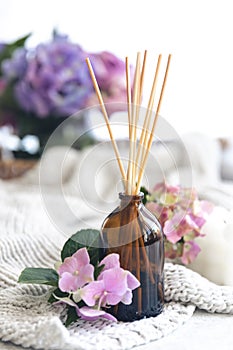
136, 235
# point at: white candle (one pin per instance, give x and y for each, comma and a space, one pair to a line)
215, 260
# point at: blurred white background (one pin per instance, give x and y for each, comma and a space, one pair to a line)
198, 34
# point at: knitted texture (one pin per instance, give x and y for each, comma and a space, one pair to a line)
26, 318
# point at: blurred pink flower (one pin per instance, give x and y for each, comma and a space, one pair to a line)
75, 271
110, 75
174, 228
182, 216
190, 252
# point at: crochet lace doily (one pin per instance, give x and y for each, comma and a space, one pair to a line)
28, 320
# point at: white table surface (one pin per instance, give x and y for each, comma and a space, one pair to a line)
203, 331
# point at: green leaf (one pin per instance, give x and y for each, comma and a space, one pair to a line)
144, 190
10, 48
98, 270
59, 294
21, 41
88, 238
71, 315
39, 276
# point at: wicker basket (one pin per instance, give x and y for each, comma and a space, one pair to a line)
10, 169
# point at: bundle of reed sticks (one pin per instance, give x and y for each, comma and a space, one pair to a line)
138, 149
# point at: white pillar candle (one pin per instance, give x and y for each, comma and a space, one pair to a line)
215, 261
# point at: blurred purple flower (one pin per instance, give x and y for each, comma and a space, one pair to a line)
15, 67
56, 81
2, 47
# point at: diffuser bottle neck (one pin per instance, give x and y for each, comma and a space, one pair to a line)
131, 199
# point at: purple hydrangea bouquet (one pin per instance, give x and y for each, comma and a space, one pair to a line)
182, 215
41, 86
86, 285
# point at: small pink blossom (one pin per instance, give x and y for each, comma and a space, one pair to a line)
75, 271
113, 285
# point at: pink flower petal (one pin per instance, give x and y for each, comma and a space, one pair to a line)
82, 257
112, 299
194, 222
110, 261
92, 292
127, 297
86, 274
68, 282
190, 252
89, 314
170, 233
115, 281
69, 265
132, 281
172, 228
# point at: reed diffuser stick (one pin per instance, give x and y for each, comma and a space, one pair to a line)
147, 119
133, 128
142, 75
148, 146
128, 92
101, 102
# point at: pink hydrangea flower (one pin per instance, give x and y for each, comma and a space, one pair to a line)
112, 286
75, 271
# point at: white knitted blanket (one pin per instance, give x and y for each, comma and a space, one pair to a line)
27, 239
